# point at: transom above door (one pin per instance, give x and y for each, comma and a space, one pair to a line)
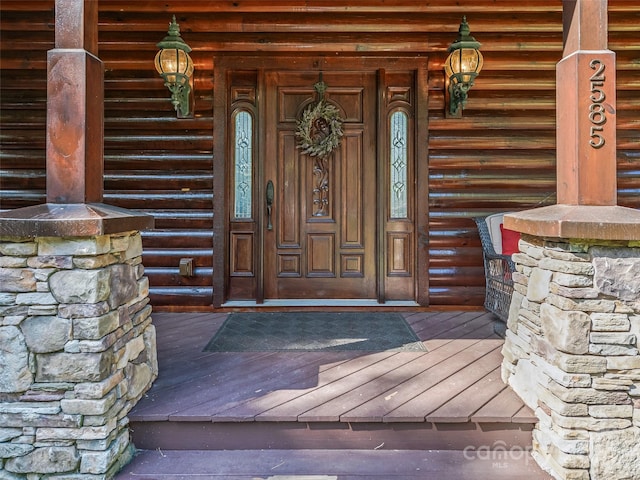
340, 225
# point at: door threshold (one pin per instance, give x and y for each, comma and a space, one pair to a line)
301, 302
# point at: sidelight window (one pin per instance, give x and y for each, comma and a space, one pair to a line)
398, 165
243, 164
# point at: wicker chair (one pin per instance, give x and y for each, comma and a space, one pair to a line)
497, 267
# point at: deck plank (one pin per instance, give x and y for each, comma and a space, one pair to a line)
331, 410
244, 411
284, 371
465, 324
414, 409
504, 405
217, 365
221, 375
461, 407
255, 376
478, 329
290, 411
442, 322
260, 406
463, 352
389, 384
176, 335
525, 415
419, 320
438, 395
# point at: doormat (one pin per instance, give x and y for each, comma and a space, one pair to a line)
314, 332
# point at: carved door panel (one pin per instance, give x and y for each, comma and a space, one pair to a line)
323, 240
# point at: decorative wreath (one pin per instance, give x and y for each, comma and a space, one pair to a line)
320, 129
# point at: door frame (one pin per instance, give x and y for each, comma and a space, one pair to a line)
227, 62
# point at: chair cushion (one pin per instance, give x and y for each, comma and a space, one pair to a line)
510, 240
494, 222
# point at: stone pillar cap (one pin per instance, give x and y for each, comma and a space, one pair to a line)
71, 220
578, 221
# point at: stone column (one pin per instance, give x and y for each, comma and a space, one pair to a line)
571, 353
78, 351
571, 348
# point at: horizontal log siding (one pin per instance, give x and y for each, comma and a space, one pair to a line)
499, 156
153, 161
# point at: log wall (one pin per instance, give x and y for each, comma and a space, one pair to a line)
499, 156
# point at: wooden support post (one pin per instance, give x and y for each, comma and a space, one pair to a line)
75, 106
586, 108
75, 138
586, 137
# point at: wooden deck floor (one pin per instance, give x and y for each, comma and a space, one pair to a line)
340, 415
295, 397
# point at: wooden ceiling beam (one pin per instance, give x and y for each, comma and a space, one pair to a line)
332, 6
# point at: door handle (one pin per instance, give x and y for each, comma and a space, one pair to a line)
270, 194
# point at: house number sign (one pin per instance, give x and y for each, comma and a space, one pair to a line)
597, 113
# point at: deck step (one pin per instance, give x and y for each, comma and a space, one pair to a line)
515, 464
203, 435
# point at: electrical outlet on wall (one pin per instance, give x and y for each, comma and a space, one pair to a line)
186, 267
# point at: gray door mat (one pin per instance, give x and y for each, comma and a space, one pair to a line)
315, 332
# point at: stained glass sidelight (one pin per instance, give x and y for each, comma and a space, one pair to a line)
398, 165
243, 160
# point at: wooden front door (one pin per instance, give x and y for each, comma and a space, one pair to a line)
342, 227
323, 238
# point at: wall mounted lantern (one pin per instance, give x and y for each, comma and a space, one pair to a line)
175, 66
461, 68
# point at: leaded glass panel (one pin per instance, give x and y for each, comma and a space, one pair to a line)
398, 165
243, 161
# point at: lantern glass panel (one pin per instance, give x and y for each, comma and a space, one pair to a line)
171, 61
463, 60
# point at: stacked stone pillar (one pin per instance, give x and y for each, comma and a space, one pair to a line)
571, 348
571, 353
77, 352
